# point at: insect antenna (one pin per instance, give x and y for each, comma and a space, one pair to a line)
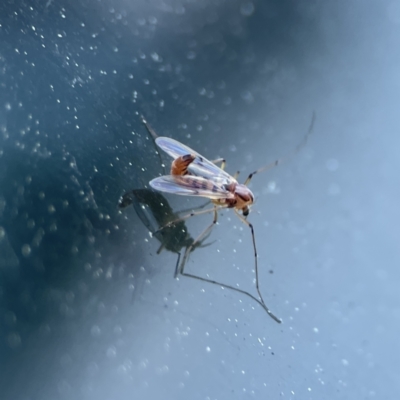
154, 136
288, 156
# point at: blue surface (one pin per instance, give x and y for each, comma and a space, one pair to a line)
89, 310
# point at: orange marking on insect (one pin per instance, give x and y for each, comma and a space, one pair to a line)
180, 165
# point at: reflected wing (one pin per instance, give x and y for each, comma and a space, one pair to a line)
200, 166
189, 185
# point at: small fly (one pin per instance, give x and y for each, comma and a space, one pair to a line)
193, 175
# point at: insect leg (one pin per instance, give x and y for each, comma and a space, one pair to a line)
236, 174
182, 272
244, 220
199, 238
220, 160
184, 217
287, 157
276, 319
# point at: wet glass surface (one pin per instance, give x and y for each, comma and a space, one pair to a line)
89, 307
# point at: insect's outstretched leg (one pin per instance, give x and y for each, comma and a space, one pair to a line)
274, 317
223, 164
220, 160
199, 238
186, 210
177, 261
182, 272
288, 156
244, 220
184, 217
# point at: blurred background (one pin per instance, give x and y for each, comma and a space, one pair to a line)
88, 309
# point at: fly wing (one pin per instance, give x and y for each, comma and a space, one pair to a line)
200, 166
189, 185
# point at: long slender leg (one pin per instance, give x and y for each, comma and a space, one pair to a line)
182, 272
220, 160
244, 220
192, 214
199, 238
186, 210
287, 157
223, 164
274, 317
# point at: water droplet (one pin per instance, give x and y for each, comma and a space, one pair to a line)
26, 250
247, 9
111, 352
14, 340
191, 55
95, 331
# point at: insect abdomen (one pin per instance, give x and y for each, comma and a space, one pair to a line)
180, 165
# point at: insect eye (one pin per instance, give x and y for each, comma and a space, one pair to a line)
246, 211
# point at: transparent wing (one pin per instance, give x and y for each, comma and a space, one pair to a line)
190, 185
200, 166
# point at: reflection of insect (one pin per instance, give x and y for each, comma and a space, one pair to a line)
154, 211
193, 175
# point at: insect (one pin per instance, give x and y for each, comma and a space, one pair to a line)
193, 175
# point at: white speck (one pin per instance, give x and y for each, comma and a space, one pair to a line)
208, 349
117, 330
7, 106
247, 9
316, 330
153, 20
26, 250
111, 352
191, 55
95, 331
14, 340
345, 362
248, 97
155, 57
